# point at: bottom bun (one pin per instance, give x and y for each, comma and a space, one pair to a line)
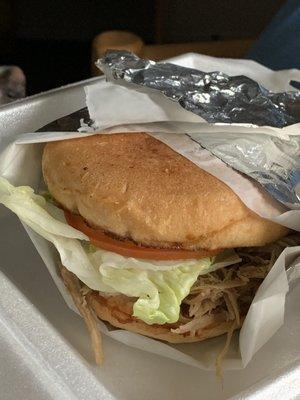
117, 310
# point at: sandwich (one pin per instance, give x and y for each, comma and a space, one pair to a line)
148, 241
160, 227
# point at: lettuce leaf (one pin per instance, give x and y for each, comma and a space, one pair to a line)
158, 286
159, 293
32, 210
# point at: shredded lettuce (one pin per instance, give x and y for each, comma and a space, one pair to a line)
158, 286
32, 210
159, 292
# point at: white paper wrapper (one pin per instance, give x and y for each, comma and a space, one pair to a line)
21, 164
168, 122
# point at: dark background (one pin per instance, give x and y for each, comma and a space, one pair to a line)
51, 40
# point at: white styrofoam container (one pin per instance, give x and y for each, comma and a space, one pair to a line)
45, 349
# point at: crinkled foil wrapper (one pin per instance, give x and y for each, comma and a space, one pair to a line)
217, 97
214, 96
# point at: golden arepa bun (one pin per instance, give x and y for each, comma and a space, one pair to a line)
136, 187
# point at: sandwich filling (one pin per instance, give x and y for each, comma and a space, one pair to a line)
188, 294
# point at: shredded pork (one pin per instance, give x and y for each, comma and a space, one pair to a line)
78, 293
223, 295
226, 294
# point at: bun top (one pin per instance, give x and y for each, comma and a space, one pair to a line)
136, 187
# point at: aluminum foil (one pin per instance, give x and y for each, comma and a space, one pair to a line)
217, 97
271, 161
214, 96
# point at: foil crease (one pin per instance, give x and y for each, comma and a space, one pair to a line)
217, 97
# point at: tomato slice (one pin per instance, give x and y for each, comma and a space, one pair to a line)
128, 248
